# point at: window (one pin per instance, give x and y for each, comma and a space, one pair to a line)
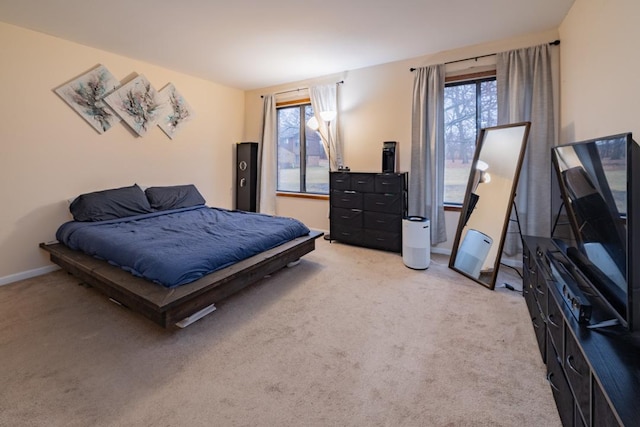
469, 106
303, 166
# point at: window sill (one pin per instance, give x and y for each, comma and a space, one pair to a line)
452, 208
303, 195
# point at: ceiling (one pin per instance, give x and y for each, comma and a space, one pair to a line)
251, 44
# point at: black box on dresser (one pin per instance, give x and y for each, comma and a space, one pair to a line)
593, 369
366, 209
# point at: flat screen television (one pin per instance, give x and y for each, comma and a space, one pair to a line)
596, 219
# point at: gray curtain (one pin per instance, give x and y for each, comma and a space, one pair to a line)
525, 93
426, 175
267, 158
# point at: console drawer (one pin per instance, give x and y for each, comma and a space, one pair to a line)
578, 375
603, 415
560, 388
540, 291
555, 323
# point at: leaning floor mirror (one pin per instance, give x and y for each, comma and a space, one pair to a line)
486, 210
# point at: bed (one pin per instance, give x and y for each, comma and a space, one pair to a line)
165, 254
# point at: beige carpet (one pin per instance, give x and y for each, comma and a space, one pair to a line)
349, 337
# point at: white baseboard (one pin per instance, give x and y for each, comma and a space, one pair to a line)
441, 251
27, 274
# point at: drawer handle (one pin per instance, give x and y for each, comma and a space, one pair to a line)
570, 365
380, 203
539, 290
534, 321
345, 216
553, 386
549, 318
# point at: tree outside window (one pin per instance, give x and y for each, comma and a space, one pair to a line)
468, 107
303, 166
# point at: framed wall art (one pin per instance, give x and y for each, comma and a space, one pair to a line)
86, 94
137, 103
176, 111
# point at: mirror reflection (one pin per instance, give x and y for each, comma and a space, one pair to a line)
487, 206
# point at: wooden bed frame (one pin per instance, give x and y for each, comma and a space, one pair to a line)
167, 306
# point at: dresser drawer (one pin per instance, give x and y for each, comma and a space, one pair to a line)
347, 234
347, 217
364, 182
383, 240
346, 199
383, 221
387, 203
389, 183
340, 181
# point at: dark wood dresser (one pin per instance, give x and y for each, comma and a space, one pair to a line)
594, 373
366, 209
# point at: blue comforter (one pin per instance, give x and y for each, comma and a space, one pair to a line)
181, 245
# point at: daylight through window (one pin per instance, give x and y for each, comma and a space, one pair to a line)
302, 162
469, 106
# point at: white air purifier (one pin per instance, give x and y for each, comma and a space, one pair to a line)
416, 242
473, 252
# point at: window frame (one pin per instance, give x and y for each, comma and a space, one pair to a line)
301, 104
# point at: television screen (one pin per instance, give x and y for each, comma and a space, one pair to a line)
591, 205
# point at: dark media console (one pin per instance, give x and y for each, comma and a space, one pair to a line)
593, 364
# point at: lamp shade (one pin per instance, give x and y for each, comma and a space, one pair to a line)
312, 123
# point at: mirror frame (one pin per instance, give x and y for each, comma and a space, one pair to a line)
482, 136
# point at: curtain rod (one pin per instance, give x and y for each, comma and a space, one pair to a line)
296, 90
553, 43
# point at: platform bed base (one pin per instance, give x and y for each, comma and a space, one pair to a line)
186, 303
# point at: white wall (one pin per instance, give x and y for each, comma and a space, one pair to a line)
376, 107
50, 154
600, 63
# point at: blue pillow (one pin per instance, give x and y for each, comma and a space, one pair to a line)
110, 204
174, 197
